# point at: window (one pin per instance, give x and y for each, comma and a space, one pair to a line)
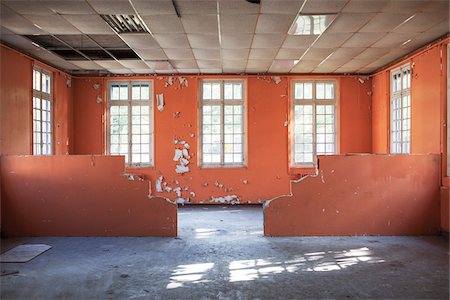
130, 121
42, 112
400, 110
313, 114
222, 119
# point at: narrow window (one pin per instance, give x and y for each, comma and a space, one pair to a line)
313, 118
400, 110
222, 119
130, 121
42, 112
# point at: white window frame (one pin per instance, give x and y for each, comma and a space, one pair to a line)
40, 95
222, 102
313, 102
130, 103
403, 92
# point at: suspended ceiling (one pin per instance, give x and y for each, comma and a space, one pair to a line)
221, 36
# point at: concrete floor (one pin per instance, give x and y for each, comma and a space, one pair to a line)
221, 254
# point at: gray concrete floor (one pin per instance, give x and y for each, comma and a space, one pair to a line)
222, 254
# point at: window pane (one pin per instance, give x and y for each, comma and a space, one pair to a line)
216, 91
237, 91
207, 91
299, 91
115, 92
228, 91
308, 88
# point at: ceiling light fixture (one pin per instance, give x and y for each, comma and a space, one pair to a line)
406, 42
404, 22
326, 58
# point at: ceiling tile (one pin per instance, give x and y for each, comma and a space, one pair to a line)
160, 65
197, 7
363, 39
384, 22
109, 41
173, 71
346, 53
86, 65
172, 40
76, 7
179, 53
274, 23
204, 41
184, 64
331, 40
392, 40
281, 7
154, 7
365, 6
54, 24
204, 24
404, 6
304, 67
236, 41
235, 54
318, 53
282, 66
324, 69
237, 24
290, 53
356, 64
133, 64
234, 64
344, 70
439, 29
331, 64
16, 41
211, 71
89, 24
213, 54
109, 64
264, 54
164, 24
143, 71
259, 63
140, 40
268, 40
323, 6
16, 23
233, 70
237, 7
299, 41
112, 7
422, 22
28, 7
372, 53
151, 54
120, 71
255, 70
209, 64
436, 6
189, 71
349, 22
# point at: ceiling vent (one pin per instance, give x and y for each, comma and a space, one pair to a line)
125, 23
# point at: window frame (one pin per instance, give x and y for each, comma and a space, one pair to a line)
222, 102
130, 104
393, 95
41, 95
313, 102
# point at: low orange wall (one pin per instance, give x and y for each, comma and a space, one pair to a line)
445, 201
361, 195
79, 196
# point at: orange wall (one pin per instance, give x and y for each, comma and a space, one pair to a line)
15, 102
16, 71
79, 196
380, 113
267, 171
382, 195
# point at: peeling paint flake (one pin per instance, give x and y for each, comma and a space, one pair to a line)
160, 102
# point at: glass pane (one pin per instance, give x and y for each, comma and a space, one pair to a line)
237, 91
136, 92
320, 91
307, 87
298, 91
123, 92
216, 91
145, 92
228, 91
207, 91
329, 91
115, 92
